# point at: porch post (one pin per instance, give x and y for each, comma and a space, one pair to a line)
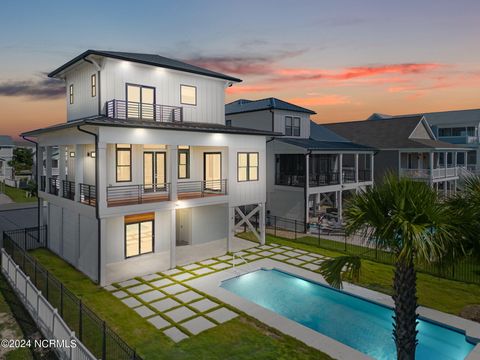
262, 223
431, 167
173, 159
79, 159
307, 186
231, 228
61, 168
340, 206
173, 238
356, 167
445, 161
372, 163
340, 166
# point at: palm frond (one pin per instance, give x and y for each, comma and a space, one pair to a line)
333, 270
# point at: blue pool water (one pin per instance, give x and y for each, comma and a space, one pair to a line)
358, 323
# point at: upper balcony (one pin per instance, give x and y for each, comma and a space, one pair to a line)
121, 109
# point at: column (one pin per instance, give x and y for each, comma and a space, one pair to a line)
173, 238
356, 168
101, 177
48, 164
61, 168
371, 167
445, 161
262, 223
79, 160
307, 186
430, 166
454, 159
340, 167
340, 206
39, 166
231, 228
173, 160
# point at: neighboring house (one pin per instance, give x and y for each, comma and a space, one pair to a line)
460, 127
408, 147
6, 154
149, 175
334, 166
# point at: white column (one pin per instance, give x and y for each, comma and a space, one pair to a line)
465, 156
231, 227
340, 167
262, 223
101, 158
173, 160
356, 168
307, 186
430, 165
340, 206
173, 238
61, 168
79, 160
103, 254
371, 166
39, 166
445, 158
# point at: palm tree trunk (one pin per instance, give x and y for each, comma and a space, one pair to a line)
405, 319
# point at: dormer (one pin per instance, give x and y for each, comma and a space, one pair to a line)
147, 87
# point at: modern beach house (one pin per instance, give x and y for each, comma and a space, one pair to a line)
408, 147
149, 175
310, 169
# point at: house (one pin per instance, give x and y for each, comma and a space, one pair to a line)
334, 166
408, 147
460, 127
6, 154
149, 176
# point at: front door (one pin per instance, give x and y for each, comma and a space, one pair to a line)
154, 170
140, 102
212, 174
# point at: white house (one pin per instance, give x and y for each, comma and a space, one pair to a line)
6, 154
149, 175
334, 166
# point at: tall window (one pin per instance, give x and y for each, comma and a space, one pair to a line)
247, 166
124, 162
139, 234
183, 162
70, 93
292, 126
188, 95
93, 85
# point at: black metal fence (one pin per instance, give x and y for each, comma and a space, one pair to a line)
92, 331
335, 239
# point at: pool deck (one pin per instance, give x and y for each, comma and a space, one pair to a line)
210, 284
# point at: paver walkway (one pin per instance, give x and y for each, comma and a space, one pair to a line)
180, 311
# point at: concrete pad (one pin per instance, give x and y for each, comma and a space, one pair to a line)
274, 244
319, 261
225, 257
131, 302
208, 262
139, 289
222, 315
175, 334
110, 288
301, 251
236, 261
279, 257
180, 314
144, 311
295, 261
265, 247
158, 322
291, 253
312, 267
277, 250
151, 277
171, 272
162, 282
220, 266
120, 294
254, 250
252, 257
128, 283
174, 289
204, 305
241, 253
287, 248
192, 266
151, 296
202, 271
182, 277
188, 296
265, 253
197, 325
306, 258
165, 304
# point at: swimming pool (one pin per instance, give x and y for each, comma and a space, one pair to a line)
353, 321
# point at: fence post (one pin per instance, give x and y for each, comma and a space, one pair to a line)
104, 341
80, 320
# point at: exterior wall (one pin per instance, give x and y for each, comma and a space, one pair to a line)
385, 161
287, 202
83, 104
304, 122
209, 223
420, 132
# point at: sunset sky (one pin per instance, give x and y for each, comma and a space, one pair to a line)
345, 59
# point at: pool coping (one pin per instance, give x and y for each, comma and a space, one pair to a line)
210, 284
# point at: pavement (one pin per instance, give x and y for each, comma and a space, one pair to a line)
17, 216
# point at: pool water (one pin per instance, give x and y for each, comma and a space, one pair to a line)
358, 323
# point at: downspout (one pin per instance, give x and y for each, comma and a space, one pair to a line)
97, 209
307, 183
37, 183
273, 120
97, 66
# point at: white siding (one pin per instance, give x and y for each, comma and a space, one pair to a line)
83, 103
209, 223
304, 122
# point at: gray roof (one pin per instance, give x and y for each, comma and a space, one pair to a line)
318, 145
179, 126
148, 59
243, 105
392, 133
6, 140
322, 133
465, 116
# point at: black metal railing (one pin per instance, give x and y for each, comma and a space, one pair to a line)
137, 194
43, 182
194, 189
29, 238
290, 180
348, 175
68, 189
364, 175
53, 186
90, 329
88, 194
120, 109
328, 178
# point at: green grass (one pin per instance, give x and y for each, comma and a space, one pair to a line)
18, 195
239, 338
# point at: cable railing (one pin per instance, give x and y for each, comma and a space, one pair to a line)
195, 189
137, 194
121, 109
68, 189
88, 194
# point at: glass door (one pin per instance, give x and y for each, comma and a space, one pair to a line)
140, 102
212, 171
154, 171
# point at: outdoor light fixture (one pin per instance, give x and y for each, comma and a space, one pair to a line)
72, 154
93, 154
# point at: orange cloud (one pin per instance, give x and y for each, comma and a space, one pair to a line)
241, 89
325, 100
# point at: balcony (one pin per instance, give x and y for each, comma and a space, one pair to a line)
137, 194
200, 189
425, 174
53, 186
120, 109
88, 195
330, 178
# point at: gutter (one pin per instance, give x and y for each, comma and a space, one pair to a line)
97, 209
38, 188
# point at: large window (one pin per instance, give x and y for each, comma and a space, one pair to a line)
93, 85
457, 131
139, 234
292, 126
70, 93
123, 162
247, 164
188, 95
140, 102
290, 169
183, 162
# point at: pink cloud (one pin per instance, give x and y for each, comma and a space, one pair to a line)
325, 100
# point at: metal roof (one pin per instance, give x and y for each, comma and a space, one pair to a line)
312, 144
147, 59
6, 140
243, 105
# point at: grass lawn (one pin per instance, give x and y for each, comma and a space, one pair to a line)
240, 338
18, 195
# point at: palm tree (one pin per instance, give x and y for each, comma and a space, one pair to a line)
407, 218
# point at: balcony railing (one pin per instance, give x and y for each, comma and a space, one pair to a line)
88, 194
364, 175
43, 182
53, 186
329, 178
348, 175
120, 109
438, 173
68, 189
196, 189
137, 194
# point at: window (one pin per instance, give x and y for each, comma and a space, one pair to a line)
124, 162
184, 162
292, 126
471, 131
93, 85
70, 93
290, 169
140, 102
247, 166
188, 95
139, 234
